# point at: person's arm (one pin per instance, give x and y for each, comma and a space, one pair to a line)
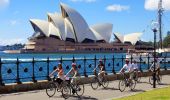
123, 69
69, 72
60, 72
75, 73
95, 68
53, 72
151, 67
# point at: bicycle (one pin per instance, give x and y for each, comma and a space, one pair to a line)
126, 83
137, 76
158, 79
96, 82
76, 87
53, 85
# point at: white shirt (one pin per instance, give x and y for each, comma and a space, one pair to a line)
135, 65
157, 65
128, 67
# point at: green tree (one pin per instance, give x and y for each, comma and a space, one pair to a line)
166, 41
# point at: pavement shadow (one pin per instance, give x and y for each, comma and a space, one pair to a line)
109, 88
163, 84
83, 98
138, 90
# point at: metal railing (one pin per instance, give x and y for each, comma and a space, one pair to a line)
26, 70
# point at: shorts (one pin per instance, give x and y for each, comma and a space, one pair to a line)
131, 75
59, 81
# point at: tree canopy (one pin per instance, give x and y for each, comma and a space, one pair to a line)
166, 41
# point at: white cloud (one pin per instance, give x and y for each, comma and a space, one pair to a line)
87, 1
14, 22
117, 7
4, 3
153, 4
11, 41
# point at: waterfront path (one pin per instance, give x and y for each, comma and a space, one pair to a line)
90, 94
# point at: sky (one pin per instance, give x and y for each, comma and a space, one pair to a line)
127, 16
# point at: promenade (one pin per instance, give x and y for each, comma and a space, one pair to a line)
100, 94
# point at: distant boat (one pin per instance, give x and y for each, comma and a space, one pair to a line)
11, 51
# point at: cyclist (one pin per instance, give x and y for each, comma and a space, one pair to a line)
60, 72
75, 75
136, 68
73, 71
157, 67
129, 68
101, 68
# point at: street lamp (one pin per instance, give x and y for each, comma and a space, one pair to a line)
154, 29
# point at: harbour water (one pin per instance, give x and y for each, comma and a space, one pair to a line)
41, 68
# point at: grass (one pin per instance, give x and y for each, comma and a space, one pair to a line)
157, 94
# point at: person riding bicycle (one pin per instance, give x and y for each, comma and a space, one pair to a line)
60, 74
101, 68
157, 67
136, 68
74, 72
129, 68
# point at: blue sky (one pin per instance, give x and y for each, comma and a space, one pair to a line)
127, 16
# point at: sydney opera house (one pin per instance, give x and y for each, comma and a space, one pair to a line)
69, 32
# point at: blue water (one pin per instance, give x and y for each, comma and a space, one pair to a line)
86, 62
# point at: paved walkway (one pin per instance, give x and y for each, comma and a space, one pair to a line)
90, 94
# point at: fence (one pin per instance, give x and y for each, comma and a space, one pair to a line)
26, 70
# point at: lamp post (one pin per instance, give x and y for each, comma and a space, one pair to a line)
154, 29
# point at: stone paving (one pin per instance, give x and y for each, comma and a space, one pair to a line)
100, 94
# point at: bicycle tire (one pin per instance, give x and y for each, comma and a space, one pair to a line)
159, 80
79, 89
132, 84
94, 83
122, 85
105, 82
66, 91
51, 87
151, 80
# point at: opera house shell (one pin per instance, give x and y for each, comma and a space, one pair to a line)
69, 32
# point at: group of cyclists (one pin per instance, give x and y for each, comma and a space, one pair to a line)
130, 68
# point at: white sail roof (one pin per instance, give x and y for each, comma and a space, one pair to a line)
97, 35
105, 30
54, 31
133, 37
119, 36
46, 28
42, 25
69, 29
58, 22
81, 29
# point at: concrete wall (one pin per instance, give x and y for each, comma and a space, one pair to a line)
12, 88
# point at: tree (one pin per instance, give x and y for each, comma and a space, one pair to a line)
166, 41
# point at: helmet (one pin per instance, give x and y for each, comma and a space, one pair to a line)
126, 60
73, 64
100, 60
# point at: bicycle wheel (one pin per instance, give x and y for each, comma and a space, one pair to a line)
132, 84
51, 89
79, 89
94, 83
151, 80
139, 78
159, 79
66, 91
105, 83
122, 85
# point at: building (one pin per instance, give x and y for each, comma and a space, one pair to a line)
69, 32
